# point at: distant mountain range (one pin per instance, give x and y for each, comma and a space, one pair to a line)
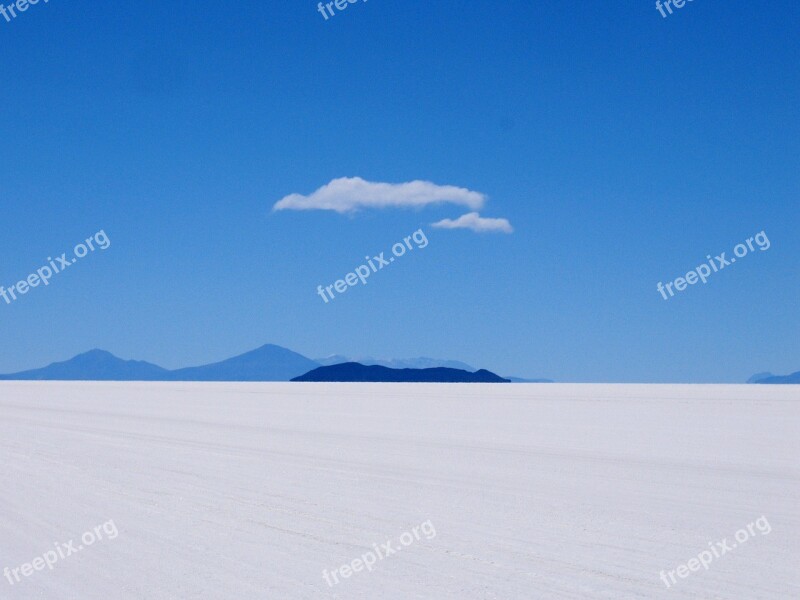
95, 365
267, 363
769, 378
356, 372
396, 363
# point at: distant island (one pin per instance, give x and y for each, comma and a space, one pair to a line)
267, 363
769, 378
356, 372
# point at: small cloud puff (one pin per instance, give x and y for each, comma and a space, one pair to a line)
349, 194
475, 222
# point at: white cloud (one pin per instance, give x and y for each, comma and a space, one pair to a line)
349, 194
475, 222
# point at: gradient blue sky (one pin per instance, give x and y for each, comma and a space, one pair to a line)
623, 147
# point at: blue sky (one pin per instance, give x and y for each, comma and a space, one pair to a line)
621, 146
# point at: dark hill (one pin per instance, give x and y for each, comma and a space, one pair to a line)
356, 372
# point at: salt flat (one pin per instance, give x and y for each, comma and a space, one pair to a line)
250, 491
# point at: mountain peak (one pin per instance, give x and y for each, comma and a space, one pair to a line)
266, 363
97, 353
269, 348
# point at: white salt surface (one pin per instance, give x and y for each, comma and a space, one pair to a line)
250, 491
